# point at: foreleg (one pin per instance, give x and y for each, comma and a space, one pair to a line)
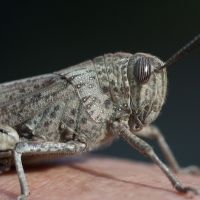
147, 150
154, 133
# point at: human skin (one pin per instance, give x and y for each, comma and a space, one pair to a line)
95, 178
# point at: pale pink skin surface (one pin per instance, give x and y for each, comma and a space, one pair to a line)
95, 178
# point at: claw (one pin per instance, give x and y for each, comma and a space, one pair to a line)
185, 190
21, 197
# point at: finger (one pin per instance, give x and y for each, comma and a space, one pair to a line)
88, 177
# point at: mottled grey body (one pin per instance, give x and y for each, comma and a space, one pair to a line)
81, 107
56, 107
75, 103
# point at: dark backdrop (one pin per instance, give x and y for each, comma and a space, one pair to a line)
38, 37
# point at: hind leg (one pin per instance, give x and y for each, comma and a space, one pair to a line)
8, 140
69, 148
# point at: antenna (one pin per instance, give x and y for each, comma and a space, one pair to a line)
184, 50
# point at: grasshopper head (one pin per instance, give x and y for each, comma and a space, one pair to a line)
148, 84
148, 89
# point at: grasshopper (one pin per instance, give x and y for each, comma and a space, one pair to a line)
84, 106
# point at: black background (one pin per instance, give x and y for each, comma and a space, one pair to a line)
38, 37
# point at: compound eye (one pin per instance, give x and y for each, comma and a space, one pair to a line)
142, 70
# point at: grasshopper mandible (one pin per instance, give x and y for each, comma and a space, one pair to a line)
81, 107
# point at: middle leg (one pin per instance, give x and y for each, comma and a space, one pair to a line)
69, 148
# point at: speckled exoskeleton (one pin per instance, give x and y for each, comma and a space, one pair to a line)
84, 106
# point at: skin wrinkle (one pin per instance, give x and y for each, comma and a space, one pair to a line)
100, 175
46, 181
39, 186
82, 181
7, 182
78, 181
56, 177
102, 183
11, 192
